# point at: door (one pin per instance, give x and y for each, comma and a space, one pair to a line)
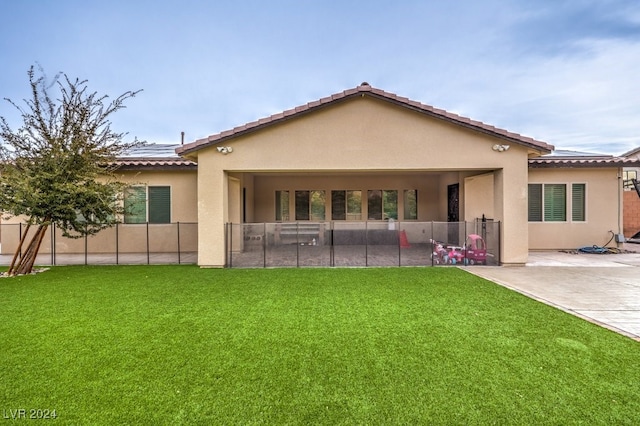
453, 213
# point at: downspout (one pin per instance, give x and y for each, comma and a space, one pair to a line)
618, 237
619, 200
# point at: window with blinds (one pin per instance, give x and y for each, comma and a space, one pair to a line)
159, 204
535, 202
555, 202
578, 204
152, 204
548, 202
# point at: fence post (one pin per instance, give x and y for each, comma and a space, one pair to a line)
53, 244
264, 245
230, 228
332, 254
398, 241
432, 245
178, 234
85, 249
366, 243
499, 243
148, 259
297, 244
117, 246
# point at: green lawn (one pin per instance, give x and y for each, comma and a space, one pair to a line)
183, 345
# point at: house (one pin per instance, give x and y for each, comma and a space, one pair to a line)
360, 156
161, 216
300, 164
631, 194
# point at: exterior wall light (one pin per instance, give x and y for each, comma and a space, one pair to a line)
499, 148
225, 150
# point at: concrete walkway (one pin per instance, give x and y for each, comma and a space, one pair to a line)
601, 288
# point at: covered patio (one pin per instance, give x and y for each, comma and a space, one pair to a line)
362, 244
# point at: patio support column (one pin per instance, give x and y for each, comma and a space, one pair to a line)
212, 214
510, 208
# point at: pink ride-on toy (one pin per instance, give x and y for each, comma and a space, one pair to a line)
475, 250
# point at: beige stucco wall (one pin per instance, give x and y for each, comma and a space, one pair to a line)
603, 210
479, 198
183, 185
362, 136
131, 238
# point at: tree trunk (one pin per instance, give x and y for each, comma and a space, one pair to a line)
25, 262
19, 248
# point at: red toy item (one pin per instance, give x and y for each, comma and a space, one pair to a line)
475, 250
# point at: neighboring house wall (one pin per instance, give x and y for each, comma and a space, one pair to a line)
631, 213
631, 200
631, 197
603, 209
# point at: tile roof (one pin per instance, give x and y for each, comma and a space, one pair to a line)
364, 90
572, 159
154, 156
633, 152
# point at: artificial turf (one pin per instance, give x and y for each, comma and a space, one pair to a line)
183, 345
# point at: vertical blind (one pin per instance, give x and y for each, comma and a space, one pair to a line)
535, 202
548, 202
578, 196
159, 204
555, 202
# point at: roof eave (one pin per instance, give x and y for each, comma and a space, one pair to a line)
582, 163
363, 90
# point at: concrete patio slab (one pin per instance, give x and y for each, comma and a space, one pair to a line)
603, 289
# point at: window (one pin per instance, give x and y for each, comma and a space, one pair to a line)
382, 204
159, 204
310, 205
152, 204
410, 201
135, 205
555, 202
578, 192
282, 205
535, 202
346, 205
548, 202
627, 177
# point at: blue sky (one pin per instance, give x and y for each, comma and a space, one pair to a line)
563, 71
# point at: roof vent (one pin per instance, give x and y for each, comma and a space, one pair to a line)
364, 83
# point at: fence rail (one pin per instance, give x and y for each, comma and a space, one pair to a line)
146, 243
327, 244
